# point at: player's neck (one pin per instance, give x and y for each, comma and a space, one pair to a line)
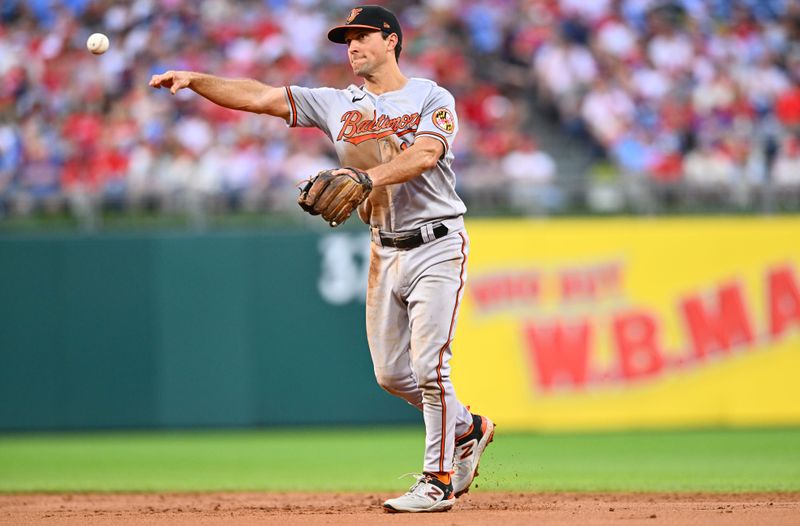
389, 78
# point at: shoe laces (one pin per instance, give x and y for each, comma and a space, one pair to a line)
422, 479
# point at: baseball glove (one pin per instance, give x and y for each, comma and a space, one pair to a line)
335, 193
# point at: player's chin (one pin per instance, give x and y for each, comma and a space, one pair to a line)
360, 69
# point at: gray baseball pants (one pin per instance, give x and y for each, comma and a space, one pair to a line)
413, 298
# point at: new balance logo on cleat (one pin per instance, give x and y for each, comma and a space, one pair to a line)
429, 494
469, 448
435, 493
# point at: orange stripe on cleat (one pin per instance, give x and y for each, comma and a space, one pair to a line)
471, 428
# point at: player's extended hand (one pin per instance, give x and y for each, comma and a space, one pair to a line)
335, 193
174, 80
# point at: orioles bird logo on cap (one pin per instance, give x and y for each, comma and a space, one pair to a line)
353, 14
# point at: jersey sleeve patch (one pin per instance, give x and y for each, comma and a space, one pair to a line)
444, 120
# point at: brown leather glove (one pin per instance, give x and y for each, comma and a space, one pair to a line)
335, 193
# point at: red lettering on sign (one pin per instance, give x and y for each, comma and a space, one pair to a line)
576, 284
609, 277
591, 282
567, 354
784, 301
717, 327
636, 341
559, 352
506, 289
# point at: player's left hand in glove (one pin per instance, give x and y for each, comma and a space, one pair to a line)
335, 193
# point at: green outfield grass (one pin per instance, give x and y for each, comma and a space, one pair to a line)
363, 459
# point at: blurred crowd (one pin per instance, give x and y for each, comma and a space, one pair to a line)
80, 132
698, 91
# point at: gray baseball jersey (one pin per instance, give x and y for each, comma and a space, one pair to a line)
352, 117
409, 340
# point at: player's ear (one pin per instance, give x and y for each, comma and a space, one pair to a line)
391, 42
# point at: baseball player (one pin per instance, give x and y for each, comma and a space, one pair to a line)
395, 135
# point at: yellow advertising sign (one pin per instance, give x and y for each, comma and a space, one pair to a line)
608, 324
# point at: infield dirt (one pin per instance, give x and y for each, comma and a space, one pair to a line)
479, 508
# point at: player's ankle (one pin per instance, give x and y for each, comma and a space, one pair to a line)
443, 476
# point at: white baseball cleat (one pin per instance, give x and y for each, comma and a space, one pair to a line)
427, 495
469, 448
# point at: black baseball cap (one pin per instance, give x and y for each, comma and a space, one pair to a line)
368, 17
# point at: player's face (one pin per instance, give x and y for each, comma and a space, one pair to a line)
366, 51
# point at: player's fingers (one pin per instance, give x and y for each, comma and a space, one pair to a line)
164, 80
178, 84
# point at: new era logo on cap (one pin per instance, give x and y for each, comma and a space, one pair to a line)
368, 17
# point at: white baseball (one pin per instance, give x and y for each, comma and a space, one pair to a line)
97, 43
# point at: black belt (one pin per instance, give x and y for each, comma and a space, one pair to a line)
409, 240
